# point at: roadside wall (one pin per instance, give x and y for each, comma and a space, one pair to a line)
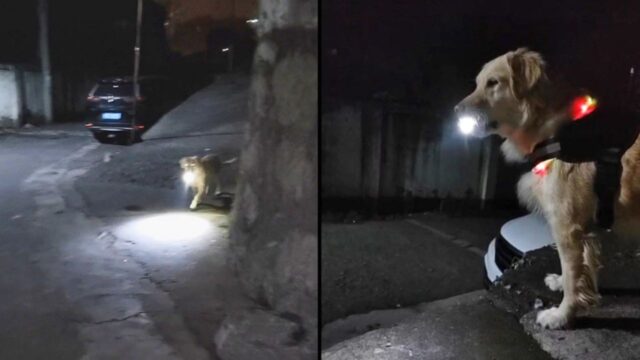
342, 152
20, 95
274, 233
9, 101
70, 92
380, 152
33, 109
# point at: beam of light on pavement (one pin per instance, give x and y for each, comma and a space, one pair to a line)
174, 228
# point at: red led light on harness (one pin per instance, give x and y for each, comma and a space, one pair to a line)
542, 168
582, 107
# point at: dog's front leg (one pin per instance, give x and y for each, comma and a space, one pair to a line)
570, 251
196, 197
577, 282
591, 261
194, 202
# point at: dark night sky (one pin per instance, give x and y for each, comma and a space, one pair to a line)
18, 41
83, 34
433, 49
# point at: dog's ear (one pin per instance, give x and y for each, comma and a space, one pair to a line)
527, 68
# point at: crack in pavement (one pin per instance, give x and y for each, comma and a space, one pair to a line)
57, 200
120, 319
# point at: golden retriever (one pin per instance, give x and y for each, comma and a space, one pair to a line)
206, 171
521, 104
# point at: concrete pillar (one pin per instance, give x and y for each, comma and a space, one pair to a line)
274, 232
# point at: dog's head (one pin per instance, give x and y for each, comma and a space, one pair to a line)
189, 162
507, 90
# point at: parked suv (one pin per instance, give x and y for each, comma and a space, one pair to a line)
516, 237
110, 107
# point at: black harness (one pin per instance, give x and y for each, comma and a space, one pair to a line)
601, 137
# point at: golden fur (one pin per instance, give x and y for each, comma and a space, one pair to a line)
206, 170
515, 93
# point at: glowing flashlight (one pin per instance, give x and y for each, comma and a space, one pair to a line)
188, 177
467, 125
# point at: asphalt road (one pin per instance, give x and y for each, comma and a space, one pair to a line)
99, 258
389, 264
379, 274
32, 308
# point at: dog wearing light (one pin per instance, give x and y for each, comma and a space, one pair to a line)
189, 176
201, 174
584, 167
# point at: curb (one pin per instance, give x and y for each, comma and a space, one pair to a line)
44, 133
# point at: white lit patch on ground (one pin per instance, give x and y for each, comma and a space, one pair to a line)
175, 228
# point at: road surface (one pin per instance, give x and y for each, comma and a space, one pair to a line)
99, 257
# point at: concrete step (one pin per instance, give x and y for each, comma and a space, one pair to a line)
609, 331
468, 326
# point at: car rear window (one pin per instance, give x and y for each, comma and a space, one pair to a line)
124, 89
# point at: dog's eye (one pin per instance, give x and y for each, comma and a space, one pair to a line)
491, 83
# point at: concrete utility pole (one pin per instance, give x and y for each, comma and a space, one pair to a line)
136, 50
136, 70
43, 14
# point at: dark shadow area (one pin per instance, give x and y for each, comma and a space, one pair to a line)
221, 203
345, 209
622, 324
619, 292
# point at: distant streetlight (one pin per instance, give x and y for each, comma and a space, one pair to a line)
225, 49
252, 21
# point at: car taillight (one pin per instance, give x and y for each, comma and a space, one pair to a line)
139, 126
92, 98
88, 124
140, 98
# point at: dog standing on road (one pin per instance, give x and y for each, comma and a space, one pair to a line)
206, 175
522, 105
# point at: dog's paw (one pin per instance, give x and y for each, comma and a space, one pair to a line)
553, 318
553, 282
